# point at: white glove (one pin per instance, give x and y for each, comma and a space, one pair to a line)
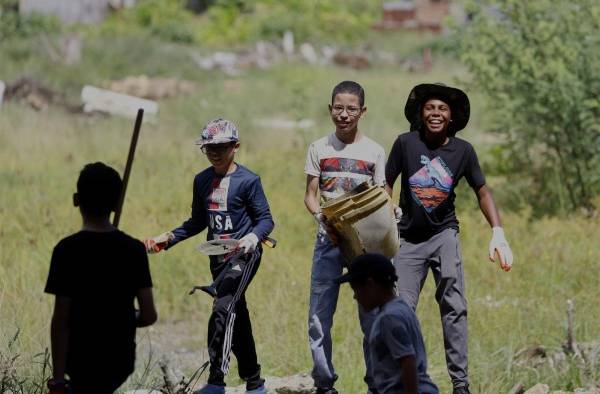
248, 242
499, 244
321, 222
397, 213
158, 243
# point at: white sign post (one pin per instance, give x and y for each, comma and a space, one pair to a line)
2, 86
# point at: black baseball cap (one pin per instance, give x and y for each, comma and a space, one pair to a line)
370, 265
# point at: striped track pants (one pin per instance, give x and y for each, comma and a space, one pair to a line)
229, 327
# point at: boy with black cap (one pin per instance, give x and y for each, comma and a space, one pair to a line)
398, 358
432, 161
95, 275
229, 200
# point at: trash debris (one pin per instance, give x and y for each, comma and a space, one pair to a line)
356, 60
295, 384
33, 93
288, 43
267, 54
224, 61
2, 86
96, 99
539, 388
152, 88
308, 53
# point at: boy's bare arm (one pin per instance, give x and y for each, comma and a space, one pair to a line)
311, 199
488, 206
59, 336
410, 379
147, 313
389, 190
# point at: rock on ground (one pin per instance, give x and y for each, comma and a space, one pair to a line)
542, 388
295, 384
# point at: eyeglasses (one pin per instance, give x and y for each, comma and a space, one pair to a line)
352, 111
216, 148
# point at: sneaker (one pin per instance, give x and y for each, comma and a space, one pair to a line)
461, 390
326, 391
211, 389
258, 390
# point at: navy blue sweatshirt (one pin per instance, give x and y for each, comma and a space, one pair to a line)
231, 206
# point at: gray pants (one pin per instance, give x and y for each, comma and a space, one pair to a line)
441, 254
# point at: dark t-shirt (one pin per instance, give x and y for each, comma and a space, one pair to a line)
396, 334
231, 206
429, 176
100, 273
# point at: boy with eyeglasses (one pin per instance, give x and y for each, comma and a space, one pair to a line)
336, 164
229, 200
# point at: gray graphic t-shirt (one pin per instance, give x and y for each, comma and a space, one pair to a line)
396, 334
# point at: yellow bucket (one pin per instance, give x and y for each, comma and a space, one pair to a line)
364, 218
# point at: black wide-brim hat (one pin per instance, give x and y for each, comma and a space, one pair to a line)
455, 98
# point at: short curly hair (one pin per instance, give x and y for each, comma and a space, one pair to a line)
99, 189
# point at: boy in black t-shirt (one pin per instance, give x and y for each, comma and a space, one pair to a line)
431, 161
95, 275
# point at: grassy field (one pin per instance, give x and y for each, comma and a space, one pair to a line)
41, 154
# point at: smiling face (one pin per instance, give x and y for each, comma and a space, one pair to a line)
221, 155
345, 111
436, 116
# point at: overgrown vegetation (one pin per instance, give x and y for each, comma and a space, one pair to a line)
228, 22
13, 25
42, 152
538, 63
22, 373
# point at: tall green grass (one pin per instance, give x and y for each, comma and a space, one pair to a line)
42, 152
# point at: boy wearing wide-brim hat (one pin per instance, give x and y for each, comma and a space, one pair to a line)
431, 160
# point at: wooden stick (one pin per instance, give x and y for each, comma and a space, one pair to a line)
132, 146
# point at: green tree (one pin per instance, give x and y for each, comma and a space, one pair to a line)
538, 63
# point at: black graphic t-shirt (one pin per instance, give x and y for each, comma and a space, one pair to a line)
429, 176
101, 273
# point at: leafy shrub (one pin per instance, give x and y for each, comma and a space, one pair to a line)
166, 19
538, 63
229, 22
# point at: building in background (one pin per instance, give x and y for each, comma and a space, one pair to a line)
421, 15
